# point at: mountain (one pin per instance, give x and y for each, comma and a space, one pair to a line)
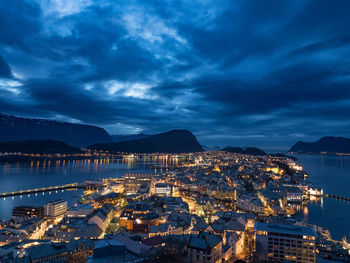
328, 144
248, 150
174, 141
38, 147
254, 151
15, 128
234, 150
124, 138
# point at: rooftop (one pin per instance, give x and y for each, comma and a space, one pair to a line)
285, 229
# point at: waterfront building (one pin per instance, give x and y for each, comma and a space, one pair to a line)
313, 191
56, 208
27, 211
346, 242
281, 243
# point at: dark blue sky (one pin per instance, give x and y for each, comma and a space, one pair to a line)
265, 73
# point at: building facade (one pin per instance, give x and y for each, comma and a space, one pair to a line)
56, 208
281, 243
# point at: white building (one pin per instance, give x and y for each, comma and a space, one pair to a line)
281, 243
56, 208
100, 220
162, 189
235, 241
102, 217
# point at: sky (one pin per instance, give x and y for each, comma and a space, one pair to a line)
240, 73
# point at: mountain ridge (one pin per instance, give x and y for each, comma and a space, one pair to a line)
174, 141
80, 135
129, 137
38, 147
326, 144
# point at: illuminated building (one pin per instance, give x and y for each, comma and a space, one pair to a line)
133, 181
162, 189
281, 243
204, 206
138, 218
28, 211
56, 208
80, 211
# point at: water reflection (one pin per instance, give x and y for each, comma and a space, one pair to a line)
49, 172
159, 163
332, 174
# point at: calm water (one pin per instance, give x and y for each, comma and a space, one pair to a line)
332, 173
22, 176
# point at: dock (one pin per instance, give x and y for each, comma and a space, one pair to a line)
42, 189
338, 197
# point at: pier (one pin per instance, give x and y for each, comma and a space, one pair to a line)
338, 197
43, 189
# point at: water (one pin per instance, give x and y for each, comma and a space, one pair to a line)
20, 176
332, 173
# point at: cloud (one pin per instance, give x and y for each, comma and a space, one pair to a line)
5, 70
237, 72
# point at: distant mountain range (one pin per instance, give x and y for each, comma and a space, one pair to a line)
248, 150
328, 144
174, 141
130, 137
38, 147
46, 136
15, 128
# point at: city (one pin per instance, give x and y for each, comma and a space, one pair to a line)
174, 131
211, 206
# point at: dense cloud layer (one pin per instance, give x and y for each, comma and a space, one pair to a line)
263, 73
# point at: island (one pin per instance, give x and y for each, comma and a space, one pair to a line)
326, 145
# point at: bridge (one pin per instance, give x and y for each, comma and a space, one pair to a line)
43, 189
338, 197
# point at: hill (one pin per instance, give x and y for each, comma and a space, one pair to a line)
131, 137
15, 128
328, 144
174, 141
38, 147
248, 150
